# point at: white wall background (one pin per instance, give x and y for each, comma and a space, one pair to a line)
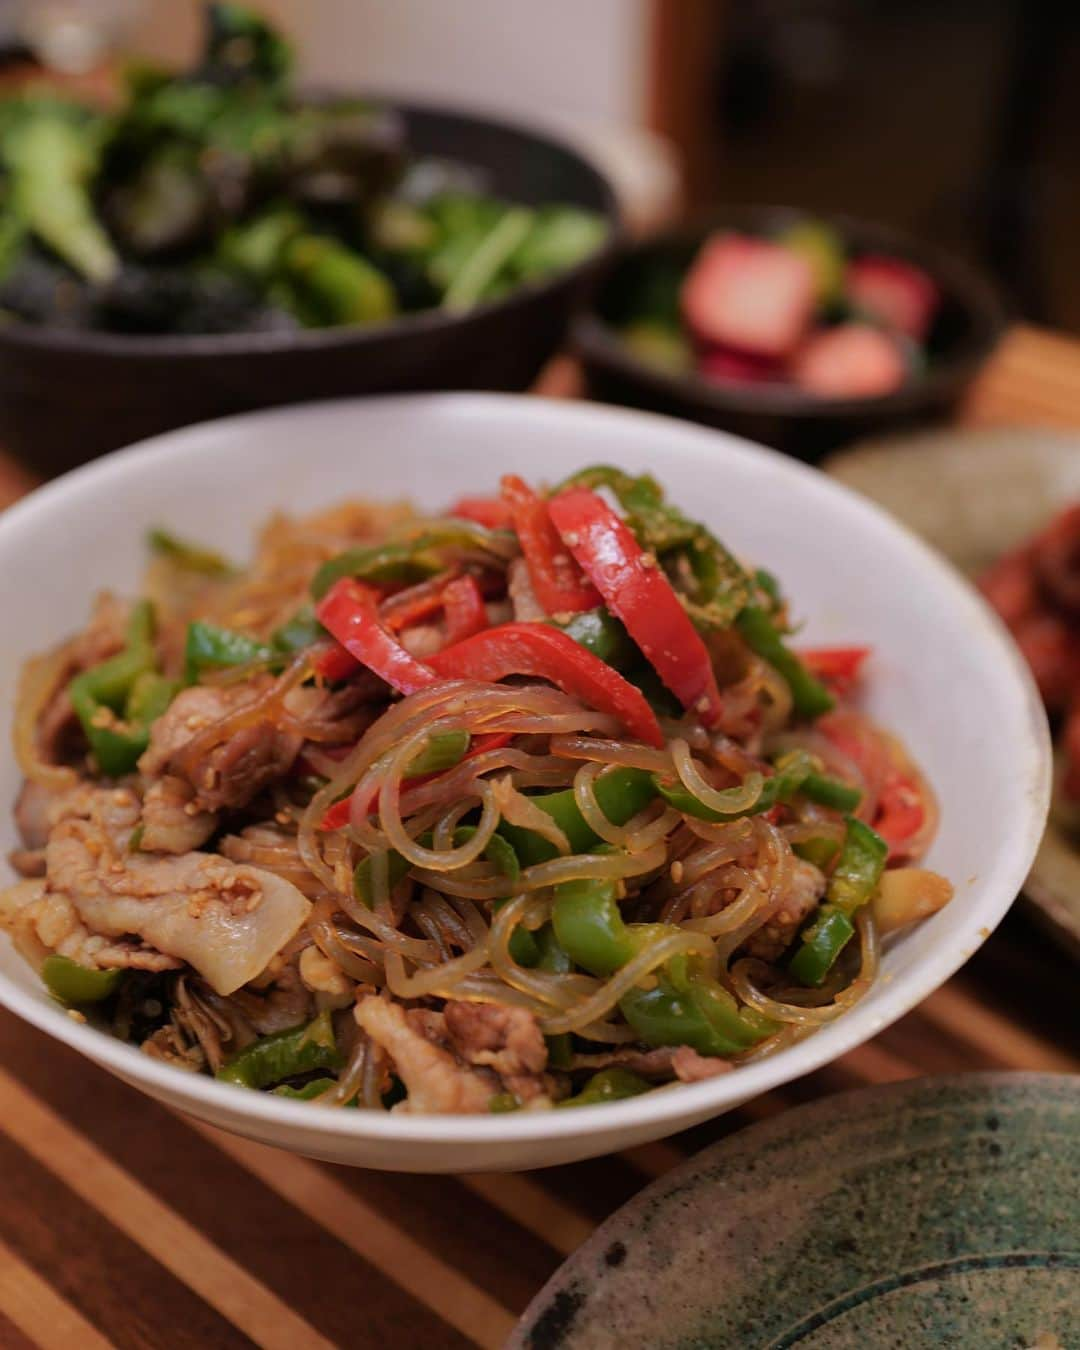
547, 61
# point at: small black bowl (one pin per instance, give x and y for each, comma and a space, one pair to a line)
66, 397
965, 332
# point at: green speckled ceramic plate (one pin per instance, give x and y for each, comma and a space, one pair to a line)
974, 495
941, 1212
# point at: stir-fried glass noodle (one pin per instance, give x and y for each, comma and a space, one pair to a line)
526, 806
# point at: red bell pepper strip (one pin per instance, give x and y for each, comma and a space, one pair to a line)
334, 663
636, 591
463, 606
492, 512
539, 650
349, 611
838, 666
557, 581
900, 812
853, 737
900, 809
459, 597
414, 603
337, 815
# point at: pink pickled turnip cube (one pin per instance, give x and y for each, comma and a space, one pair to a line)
853, 360
749, 294
894, 292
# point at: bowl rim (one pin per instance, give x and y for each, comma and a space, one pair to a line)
147, 346
597, 343
649, 1112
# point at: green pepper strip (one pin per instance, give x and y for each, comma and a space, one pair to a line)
621, 794
441, 751
675, 794
590, 928
769, 593
859, 869
301, 631
820, 851
609, 1085
686, 1008
830, 792
792, 772
683, 1008
189, 556
129, 688
150, 695
309, 1091
70, 982
853, 882
554, 959
397, 869
412, 559
601, 633
502, 1102
821, 942
810, 696
284, 1055
208, 647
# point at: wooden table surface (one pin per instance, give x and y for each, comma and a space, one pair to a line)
124, 1224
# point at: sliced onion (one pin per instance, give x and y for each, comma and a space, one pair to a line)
39, 680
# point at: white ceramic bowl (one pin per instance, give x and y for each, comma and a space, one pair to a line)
944, 675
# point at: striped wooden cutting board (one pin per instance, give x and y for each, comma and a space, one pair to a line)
122, 1224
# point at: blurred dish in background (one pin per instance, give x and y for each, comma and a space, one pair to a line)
216, 201
1001, 504
792, 307
799, 331
938, 1212
463, 291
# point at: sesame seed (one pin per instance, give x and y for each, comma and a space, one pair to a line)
677, 871
76, 1015
648, 560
